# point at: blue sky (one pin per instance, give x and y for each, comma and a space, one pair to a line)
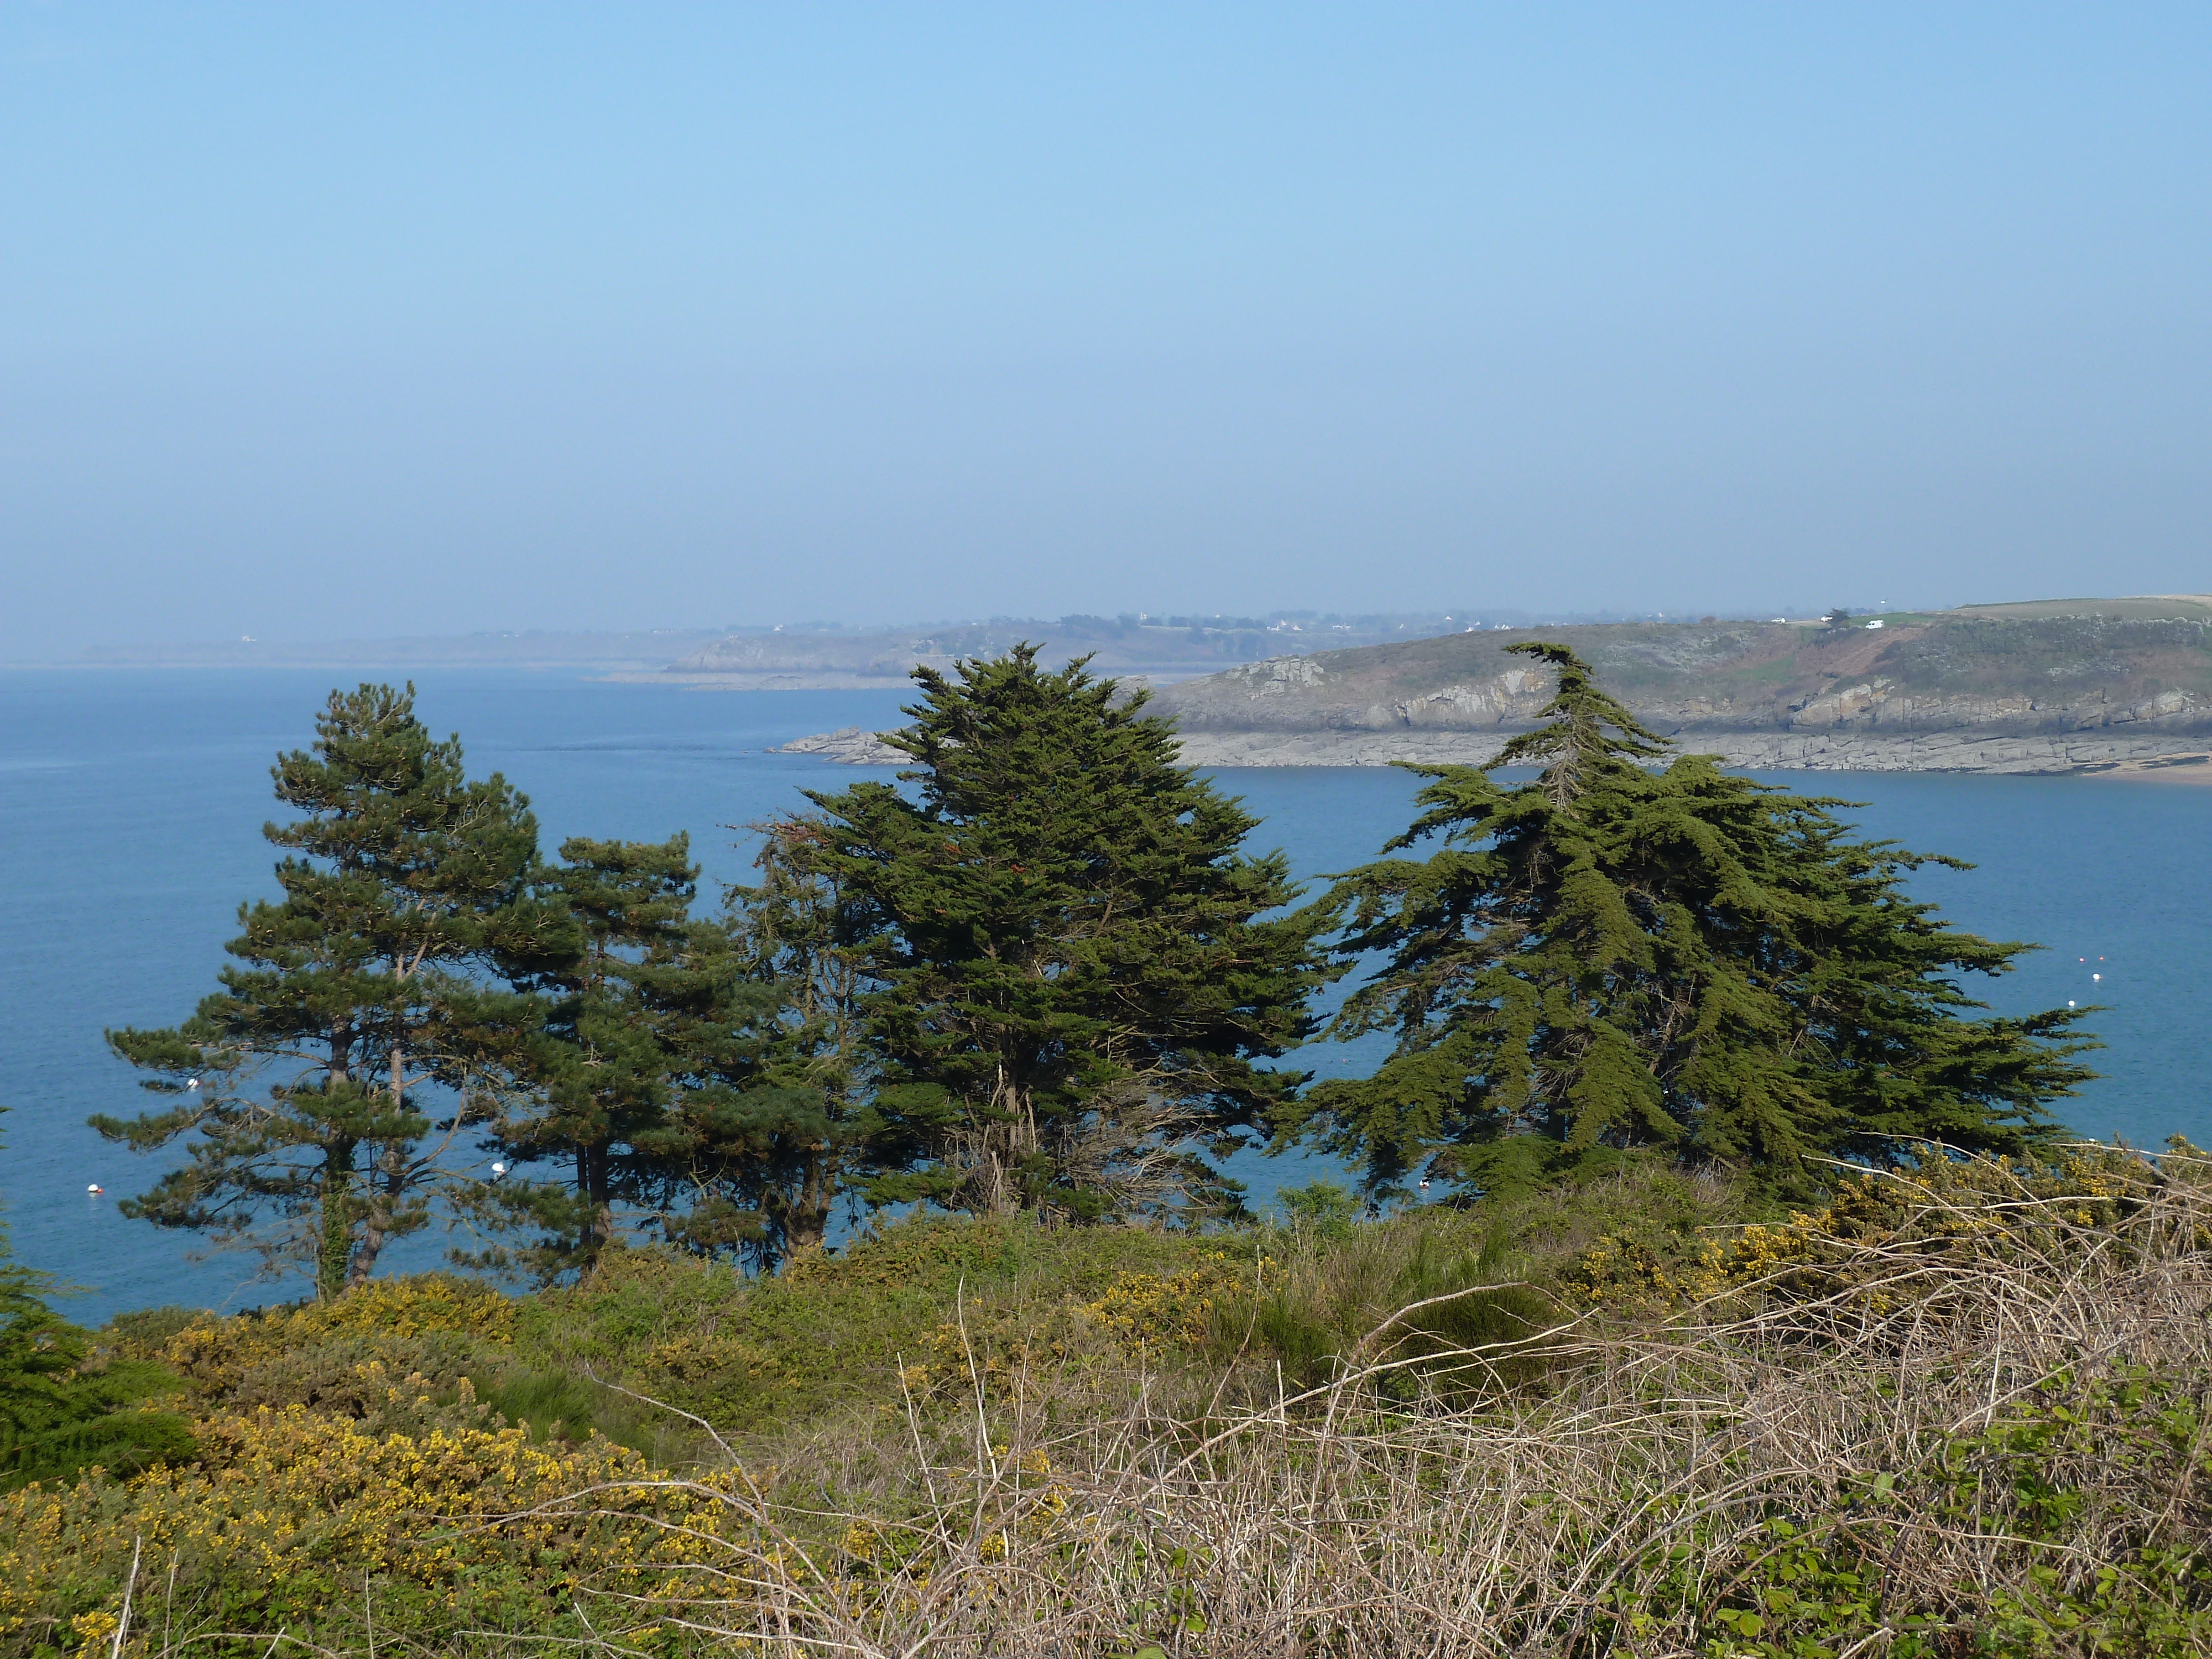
338, 321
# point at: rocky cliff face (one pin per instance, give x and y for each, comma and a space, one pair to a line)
1977, 692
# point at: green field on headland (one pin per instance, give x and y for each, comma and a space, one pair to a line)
2055, 686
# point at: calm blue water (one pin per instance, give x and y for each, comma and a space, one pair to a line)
130, 806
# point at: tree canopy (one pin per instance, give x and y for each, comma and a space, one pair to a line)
407, 901
1041, 972
1076, 971
595, 1079
780, 1113
1612, 956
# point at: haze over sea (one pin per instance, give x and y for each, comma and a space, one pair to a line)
131, 805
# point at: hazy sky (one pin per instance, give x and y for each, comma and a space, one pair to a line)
338, 320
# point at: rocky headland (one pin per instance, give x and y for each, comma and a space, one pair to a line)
2120, 685
1156, 648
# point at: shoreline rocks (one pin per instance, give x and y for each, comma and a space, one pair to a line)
1775, 751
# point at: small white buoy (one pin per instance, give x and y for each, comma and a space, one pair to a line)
498, 1171
96, 1189
2070, 1002
2098, 977
194, 1084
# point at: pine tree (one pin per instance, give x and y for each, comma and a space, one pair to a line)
600, 1074
778, 1114
1074, 981
407, 897
1612, 956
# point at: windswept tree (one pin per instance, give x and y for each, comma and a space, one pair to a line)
1076, 968
1612, 956
298, 1089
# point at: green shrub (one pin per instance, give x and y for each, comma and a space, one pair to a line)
67, 1405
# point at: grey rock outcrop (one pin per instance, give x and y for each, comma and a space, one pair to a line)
849, 745
1968, 692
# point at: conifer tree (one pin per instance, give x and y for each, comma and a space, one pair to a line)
299, 1086
1075, 980
778, 1114
600, 1074
64, 1404
1612, 956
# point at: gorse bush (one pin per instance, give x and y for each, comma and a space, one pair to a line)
295, 1520
1962, 1409
1615, 1397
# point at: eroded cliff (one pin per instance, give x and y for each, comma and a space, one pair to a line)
1980, 691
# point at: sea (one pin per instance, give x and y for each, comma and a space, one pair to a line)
132, 804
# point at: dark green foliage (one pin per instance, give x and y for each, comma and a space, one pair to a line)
1472, 1316
1467, 1332
555, 1404
600, 1072
711, 1077
1320, 1209
298, 1086
1609, 957
1074, 981
833, 1332
1816, 1586
780, 1114
65, 1406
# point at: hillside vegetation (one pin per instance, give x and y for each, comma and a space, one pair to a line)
1960, 1409
1661, 1323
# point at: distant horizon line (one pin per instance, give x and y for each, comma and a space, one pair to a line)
631, 646
1272, 619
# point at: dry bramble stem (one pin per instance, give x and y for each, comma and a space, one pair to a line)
1997, 1395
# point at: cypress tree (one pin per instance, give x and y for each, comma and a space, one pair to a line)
1613, 956
1074, 980
298, 1087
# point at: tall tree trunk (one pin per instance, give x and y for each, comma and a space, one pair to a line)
334, 1245
384, 1194
384, 1188
594, 1185
334, 1249
807, 1222
1003, 1147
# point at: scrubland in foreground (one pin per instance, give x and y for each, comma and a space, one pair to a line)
1961, 1410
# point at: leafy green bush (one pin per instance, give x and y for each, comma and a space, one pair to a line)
1322, 1209
1956, 1411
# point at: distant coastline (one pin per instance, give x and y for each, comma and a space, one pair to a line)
2125, 759
2118, 688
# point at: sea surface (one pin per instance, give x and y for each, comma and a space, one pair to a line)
132, 804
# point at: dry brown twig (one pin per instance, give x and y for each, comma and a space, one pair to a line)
1364, 1517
